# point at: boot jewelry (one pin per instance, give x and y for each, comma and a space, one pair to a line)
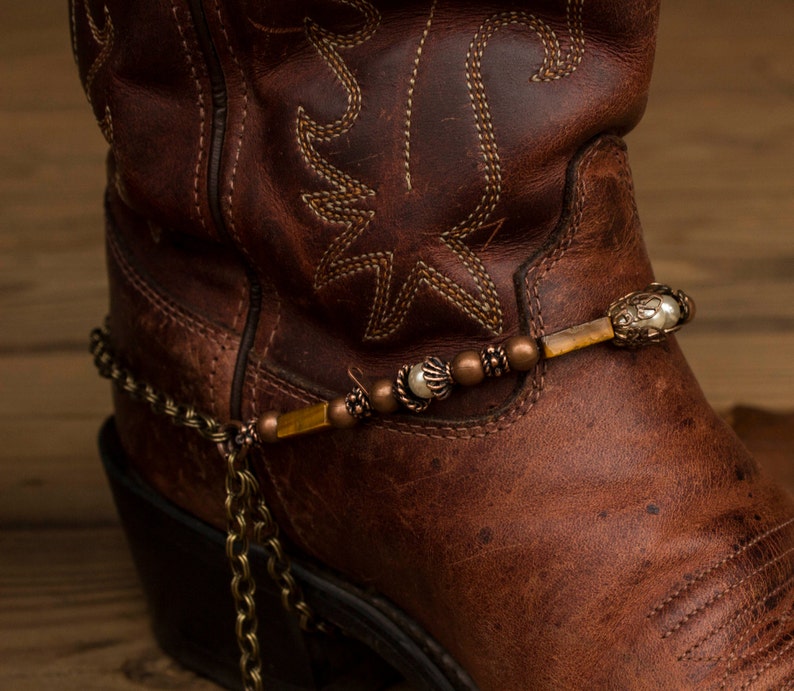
638, 319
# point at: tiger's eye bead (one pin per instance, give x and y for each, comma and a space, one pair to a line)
267, 427
467, 368
522, 353
338, 414
382, 398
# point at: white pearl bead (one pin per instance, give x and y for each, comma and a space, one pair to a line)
665, 317
672, 311
417, 383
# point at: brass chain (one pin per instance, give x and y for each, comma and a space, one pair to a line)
244, 501
240, 488
160, 403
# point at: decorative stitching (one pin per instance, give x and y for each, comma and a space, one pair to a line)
275, 328
733, 657
168, 307
211, 377
411, 86
789, 638
773, 627
531, 392
202, 114
573, 59
240, 309
243, 122
688, 654
106, 126
104, 38
272, 380
537, 327
171, 310
463, 432
268, 345
721, 593
533, 280
336, 207
703, 574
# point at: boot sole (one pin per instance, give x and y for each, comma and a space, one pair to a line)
185, 575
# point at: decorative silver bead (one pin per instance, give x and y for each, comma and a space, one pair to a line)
417, 383
647, 316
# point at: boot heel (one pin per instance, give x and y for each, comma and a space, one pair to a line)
185, 576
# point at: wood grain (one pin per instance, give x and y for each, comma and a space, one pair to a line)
714, 177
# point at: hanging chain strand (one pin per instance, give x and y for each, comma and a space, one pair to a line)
244, 503
240, 489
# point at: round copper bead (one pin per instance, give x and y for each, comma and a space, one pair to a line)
267, 427
522, 353
338, 414
382, 398
467, 369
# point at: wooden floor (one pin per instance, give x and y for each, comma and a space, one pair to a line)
713, 167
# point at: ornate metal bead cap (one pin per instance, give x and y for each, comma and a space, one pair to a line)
494, 361
358, 404
247, 435
438, 377
647, 316
403, 393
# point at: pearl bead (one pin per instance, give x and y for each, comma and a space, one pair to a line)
267, 427
382, 398
522, 353
665, 317
338, 415
672, 311
417, 383
467, 369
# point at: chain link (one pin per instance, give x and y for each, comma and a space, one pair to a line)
244, 502
240, 489
160, 403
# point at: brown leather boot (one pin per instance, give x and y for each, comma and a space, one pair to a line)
417, 197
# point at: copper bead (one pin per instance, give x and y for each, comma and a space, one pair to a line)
338, 414
522, 353
267, 427
382, 398
467, 368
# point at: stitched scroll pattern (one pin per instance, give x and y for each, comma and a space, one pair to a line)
104, 38
345, 203
410, 101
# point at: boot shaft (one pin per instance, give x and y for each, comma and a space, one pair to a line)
372, 175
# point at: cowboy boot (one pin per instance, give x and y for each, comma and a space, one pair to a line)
400, 240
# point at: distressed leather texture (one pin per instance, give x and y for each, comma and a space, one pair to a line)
297, 188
